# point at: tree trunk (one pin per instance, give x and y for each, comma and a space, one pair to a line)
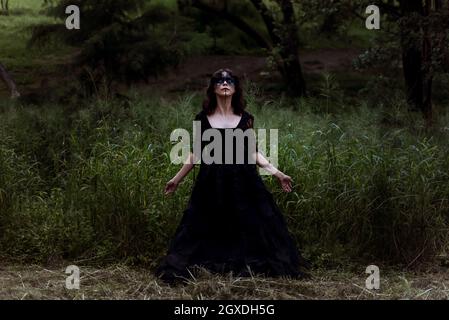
286, 39
5, 7
4, 75
416, 45
290, 52
427, 61
412, 55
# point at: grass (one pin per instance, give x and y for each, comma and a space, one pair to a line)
118, 282
87, 183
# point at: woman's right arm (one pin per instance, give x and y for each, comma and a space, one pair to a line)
177, 179
187, 166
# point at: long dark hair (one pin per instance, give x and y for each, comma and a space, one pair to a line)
238, 102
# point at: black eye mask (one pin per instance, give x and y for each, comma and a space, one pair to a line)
229, 80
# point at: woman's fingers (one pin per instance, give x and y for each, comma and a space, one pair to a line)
169, 188
288, 184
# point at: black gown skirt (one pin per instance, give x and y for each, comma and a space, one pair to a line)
231, 224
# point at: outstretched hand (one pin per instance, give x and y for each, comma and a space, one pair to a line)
170, 187
285, 182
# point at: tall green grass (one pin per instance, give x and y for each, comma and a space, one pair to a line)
369, 185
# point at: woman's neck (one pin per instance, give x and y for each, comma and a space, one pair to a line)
224, 106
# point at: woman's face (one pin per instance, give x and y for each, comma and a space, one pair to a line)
225, 86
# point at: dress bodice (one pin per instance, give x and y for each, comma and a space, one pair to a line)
236, 145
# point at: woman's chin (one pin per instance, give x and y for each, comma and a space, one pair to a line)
225, 94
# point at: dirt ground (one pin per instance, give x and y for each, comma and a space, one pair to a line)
123, 282
192, 74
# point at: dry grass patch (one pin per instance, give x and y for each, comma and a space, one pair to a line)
124, 282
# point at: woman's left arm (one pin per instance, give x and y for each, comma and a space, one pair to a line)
284, 180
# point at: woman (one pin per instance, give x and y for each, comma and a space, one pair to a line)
231, 222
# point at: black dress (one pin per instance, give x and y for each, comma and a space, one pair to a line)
231, 223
